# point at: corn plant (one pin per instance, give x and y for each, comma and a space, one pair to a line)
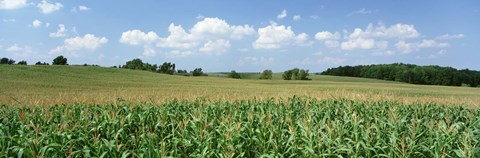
297, 127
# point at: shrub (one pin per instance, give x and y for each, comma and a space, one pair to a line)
295, 74
266, 74
234, 74
60, 60
197, 72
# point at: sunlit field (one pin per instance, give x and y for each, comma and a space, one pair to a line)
47, 85
63, 111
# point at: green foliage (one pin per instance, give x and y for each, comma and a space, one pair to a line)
137, 64
233, 74
255, 128
429, 75
167, 68
7, 61
295, 74
198, 72
40, 63
287, 75
150, 67
182, 71
23, 62
266, 74
60, 60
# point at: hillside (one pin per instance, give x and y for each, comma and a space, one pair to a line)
86, 84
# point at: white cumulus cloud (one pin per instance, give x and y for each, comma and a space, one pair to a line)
325, 35
405, 47
216, 27
137, 37
360, 42
47, 8
60, 31
208, 36
12, 4
178, 38
276, 36
397, 31
88, 42
37, 23
328, 38
238, 32
83, 8
367, 38
217, 46
282, 15
205, 30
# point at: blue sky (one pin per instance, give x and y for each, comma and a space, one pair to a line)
243, 35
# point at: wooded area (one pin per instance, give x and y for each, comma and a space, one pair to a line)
409, 73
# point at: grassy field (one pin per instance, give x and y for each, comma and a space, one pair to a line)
77, 111
43, 85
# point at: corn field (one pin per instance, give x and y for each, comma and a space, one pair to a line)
297, 127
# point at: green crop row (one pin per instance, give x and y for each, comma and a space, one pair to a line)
299, 127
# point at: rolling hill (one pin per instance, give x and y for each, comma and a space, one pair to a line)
42, 85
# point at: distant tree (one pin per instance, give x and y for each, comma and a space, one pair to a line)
303, 75
295, 74
150, 67
23, 62
287, 75
182, 71
266, 74
60, 60
136, 64
40, 63
233, 74
4, 61
167, 68
197, 72
7, 61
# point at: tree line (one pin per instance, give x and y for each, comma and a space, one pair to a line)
292, 74
165, 68
409, 73
170, 68
59, 60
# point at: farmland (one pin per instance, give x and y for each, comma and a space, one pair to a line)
62, 111
294, 128
47, 85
